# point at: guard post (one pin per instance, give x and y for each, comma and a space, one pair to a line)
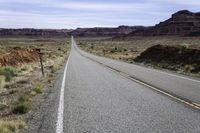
40, 57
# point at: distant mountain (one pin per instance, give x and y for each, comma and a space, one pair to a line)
182, 23
34, 32
104, 32
79, 32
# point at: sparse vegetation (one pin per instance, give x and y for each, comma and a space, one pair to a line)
11, 126
112, 50
38, 87
8, 72
28, 80
54, 68
26, 68
50, 78
22, 106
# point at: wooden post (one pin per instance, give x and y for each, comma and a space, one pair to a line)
41, 63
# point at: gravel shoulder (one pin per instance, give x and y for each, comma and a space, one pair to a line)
44, 119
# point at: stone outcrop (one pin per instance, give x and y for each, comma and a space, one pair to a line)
172, 57
182, 23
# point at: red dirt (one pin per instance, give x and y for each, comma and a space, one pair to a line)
18, 57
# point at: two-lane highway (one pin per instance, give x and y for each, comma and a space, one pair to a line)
97, 99
180, 86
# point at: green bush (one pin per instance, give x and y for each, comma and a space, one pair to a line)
92, 47
8, 72
38, 88
22, 106
125, 49
112, 51
23, 99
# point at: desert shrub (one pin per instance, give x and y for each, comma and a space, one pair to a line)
92, 47
132, 50
188, 67
8, 72
17, 48
23, 99
38, 88
54, 68
112, 50
104, 51
50, 78
11, 126
22, 106
185, 45
59, 49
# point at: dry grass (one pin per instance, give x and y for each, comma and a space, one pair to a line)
25, 68
38, 87
11, 126
132, 48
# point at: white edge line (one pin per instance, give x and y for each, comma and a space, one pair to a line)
159, 71
59, 124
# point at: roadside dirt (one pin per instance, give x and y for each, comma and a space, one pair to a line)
28, 83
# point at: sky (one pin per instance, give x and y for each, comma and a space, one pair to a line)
71, 14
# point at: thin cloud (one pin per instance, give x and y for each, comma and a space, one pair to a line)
102, 6
76, 13
22, 20
97, 6
178, 2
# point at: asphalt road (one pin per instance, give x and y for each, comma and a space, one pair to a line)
99, 100
89, 97
181, 86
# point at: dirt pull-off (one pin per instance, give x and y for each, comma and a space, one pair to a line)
173, 57
18, 57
